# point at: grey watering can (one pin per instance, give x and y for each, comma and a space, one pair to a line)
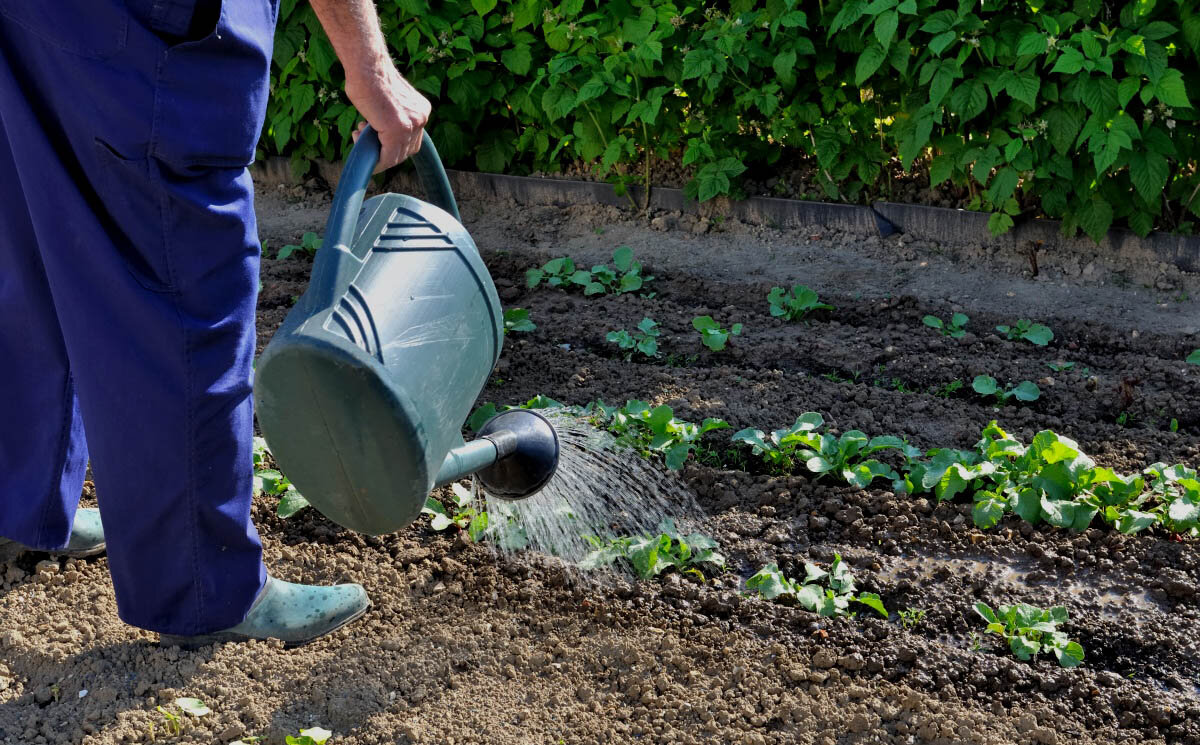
362, 392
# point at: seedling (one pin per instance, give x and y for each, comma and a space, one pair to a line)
310, 736
844, 456
486, 411
1060, 366
1193, 358
949, 389
517, 320
651, 555
795, 304
644, 339
1030, 630
625, 275
955, 328
911, 618
1034, 333
832, 599
648, 430
467, 514
270, 481
309, 244
986, 385
712, 335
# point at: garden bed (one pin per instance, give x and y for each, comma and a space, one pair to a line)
463, 646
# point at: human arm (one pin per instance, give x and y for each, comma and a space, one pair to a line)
389, 103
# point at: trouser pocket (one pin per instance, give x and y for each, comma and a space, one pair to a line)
134, 204
211, 93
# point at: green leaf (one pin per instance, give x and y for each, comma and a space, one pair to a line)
1171, 90
1070, 655
1002, 185
868, 62
985, 385
1069, 62
1095, 217
1193, 358
885, 27
1024, 87
1127, 89
193, 706
769, 582
1149, 172
1023, 648
482, 7
871, 600
1033, 42
518, 59
290, 503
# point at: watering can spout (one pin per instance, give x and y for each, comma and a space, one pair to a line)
514, 456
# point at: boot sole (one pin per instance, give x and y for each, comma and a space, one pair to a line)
221, 637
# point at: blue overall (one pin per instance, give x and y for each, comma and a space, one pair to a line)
129, 263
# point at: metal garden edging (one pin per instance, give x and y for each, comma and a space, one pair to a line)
939, 224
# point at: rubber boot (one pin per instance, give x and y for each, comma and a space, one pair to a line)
296, 614
87, 538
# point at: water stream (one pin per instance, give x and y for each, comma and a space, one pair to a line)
600, 489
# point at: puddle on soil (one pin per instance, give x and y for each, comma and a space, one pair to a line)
1017, 576
599, 489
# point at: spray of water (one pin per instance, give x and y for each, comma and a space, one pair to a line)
600, 489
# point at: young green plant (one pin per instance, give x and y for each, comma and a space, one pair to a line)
828, 593
712, 335
1034, 333
269, 481
794, 304
310, 736
1030, 630
308, 245
986, 385
646, 430
517, 320
624, 276
955, 328
643, 340
649, 556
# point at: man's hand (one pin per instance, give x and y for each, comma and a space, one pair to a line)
393, 108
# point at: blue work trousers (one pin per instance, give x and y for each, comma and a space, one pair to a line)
129, 264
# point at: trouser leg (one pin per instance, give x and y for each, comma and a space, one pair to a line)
148, 241
43, 455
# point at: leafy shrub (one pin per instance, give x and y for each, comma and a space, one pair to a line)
794, 304
1030, 630
955, 328
644, 339
712, 335
1076, 109
832, 599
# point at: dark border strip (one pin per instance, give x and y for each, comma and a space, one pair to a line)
919, 221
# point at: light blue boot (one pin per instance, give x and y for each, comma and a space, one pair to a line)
296, 614
87, 537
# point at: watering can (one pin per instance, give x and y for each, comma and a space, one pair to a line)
363, 391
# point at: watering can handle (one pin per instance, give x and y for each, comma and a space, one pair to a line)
356, 174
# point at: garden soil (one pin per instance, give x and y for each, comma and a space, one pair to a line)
464, 646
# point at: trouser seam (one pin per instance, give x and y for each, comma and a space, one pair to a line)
52, 498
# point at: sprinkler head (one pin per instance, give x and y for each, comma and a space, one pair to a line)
528, 447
